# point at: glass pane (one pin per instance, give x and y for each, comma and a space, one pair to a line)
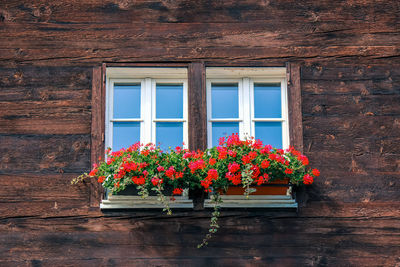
270, 133
267, 100
169, 101
224, 101
125, 134
169, 134
126, 101
222, 129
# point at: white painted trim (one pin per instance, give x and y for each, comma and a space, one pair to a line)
143, 72
153, 111
148, 111
246, 129
240, 72
123, 120
285, 115
137, 202
257, 201
169, 120
209, 122
267, 119
226, 120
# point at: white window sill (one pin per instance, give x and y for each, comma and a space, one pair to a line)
137, 202
240, 201
183, 202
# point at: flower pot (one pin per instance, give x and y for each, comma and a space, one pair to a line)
278, 187
197, 195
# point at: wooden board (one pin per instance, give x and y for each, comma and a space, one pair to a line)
342, 59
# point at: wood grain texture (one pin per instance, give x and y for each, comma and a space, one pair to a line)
294, 106
97, 130
197, 106
343, 58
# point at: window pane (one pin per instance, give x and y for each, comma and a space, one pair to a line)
169, 101
224, 101
126, 101
267, 100
222, 129
270, 133
169, 134
125, 134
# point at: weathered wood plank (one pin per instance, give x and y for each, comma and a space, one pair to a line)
44, 153
197, 104
295, 106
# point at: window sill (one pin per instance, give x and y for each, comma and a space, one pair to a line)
137, 202
183, 202
257, 201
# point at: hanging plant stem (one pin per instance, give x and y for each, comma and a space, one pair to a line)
216, 201
162, 198
247, 180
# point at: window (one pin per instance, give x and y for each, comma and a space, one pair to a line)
248, 101
146, 104
189, 103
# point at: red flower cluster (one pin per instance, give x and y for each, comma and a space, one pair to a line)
139, 180
265, 164
233, 167
212, 161
177, 191
308, 179
156, 181
196, 165
218, 167
170, 172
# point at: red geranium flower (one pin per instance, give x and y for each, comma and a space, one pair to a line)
288, 171
212, 161
233, 167
156, 181
308, 179
170, 172
265, 164
212, 174
177, 191
315, 172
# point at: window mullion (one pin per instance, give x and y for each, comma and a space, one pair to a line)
147, 108
245, 130
285, 125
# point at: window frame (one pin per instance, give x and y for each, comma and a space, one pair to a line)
197, 107
246, 77
148, 78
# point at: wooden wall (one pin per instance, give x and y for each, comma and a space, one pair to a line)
349, 53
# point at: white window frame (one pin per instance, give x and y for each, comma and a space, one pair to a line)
245, 78
148, 79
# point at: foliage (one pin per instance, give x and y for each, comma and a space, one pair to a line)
234, 162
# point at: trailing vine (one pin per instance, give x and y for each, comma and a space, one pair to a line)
216, 201
247, 180
80, 178
162, 198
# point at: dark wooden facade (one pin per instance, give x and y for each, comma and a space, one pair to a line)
349, 58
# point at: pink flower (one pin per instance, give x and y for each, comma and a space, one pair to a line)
308, 179
160, 168
233, 167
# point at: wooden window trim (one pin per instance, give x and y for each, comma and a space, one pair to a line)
197, 110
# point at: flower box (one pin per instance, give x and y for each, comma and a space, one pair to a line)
130, 199
279, 187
